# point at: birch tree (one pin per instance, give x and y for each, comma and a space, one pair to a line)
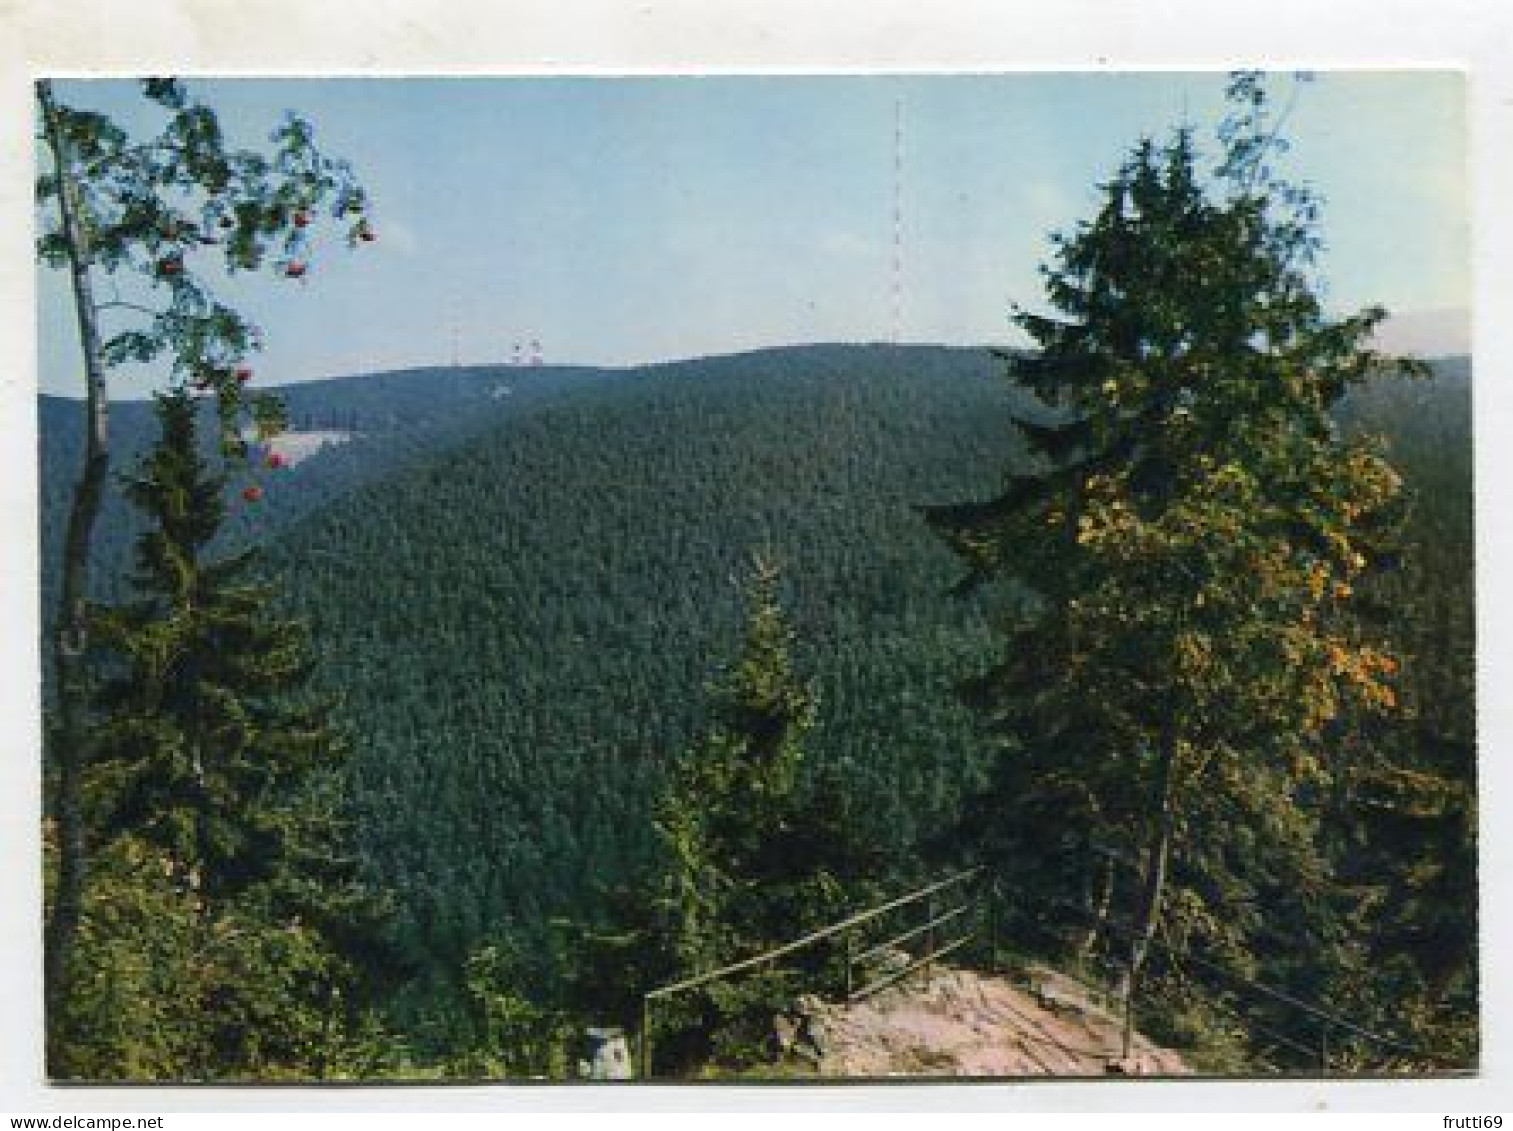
147, 227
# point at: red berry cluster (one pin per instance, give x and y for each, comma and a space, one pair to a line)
209, 378
274, 461
297, 266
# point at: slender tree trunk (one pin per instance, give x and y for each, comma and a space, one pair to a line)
1100, 913
1153, 884
69, 733
1153, 887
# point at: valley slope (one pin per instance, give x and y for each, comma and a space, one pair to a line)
520, 598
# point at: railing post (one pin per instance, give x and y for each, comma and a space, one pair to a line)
850, 950
1324, 1048
929, 935
646, 1037
992, 897
1129, 1014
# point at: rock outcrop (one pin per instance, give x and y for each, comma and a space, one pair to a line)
961, 1023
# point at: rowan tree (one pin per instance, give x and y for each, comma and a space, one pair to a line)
158, 220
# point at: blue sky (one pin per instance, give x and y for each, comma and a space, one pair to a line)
621, 220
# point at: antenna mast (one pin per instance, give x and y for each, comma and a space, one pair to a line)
454, 320
898, 219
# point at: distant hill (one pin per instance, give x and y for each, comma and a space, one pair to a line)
392, 417
1445, 332
523, 624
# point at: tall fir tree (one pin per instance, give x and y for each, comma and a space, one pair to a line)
752, 850
205, 736
729, 809
1184, 652
213, 760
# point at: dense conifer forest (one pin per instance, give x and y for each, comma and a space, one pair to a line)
520, 614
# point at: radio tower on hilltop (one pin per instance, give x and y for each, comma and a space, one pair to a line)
898, 219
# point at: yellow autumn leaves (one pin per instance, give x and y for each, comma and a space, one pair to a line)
1245, 616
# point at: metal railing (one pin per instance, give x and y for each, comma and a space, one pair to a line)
955, 890
1324, 1022
962, 906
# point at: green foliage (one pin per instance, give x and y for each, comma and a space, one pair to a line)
204, 736
747, 859
1190, 657
725, 817
224, 927
167, 988
514, 1035
161, 213
164, 989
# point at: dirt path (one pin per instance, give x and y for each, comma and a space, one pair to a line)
960, 1023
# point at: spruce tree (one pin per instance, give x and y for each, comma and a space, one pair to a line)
214, 760
205, 737
750, 852
1184, 648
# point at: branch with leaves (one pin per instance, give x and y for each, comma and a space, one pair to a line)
156, 217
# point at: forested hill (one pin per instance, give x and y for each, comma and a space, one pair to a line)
523, 625
389, 417
522, 581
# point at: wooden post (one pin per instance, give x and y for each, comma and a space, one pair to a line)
850, 949
992, 897
1324, 1049
929, 935
646, 1037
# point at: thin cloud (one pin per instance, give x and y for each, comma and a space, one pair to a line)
846, 243
394, 236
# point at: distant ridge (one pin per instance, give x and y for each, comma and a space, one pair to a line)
1445, 332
